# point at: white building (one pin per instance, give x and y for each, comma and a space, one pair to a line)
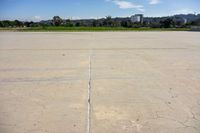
137, 18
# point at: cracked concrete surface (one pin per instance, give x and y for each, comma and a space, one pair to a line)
139, 82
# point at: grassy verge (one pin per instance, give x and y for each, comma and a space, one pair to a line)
74, 29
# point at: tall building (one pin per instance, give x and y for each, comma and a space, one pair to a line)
137, 18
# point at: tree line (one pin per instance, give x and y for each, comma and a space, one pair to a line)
167, 22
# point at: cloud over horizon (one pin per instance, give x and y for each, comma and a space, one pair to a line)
154, 2
183, 11
122, 4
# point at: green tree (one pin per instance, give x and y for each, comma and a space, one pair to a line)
194, 23
17, 23
108, 21
94, 23
6, 23
28, 24
57, 21
68, 23
167, 23
126, 23
1, 24
77, 24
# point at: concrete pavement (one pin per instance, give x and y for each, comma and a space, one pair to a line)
100, 82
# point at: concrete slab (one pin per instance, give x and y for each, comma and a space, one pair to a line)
141, 92
43, 107
43, 91
110, 82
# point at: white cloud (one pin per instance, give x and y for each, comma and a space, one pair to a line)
183, 11
127, 5
154, 2
31, 18
36, 18
78, 17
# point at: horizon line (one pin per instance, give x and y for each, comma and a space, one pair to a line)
88, 18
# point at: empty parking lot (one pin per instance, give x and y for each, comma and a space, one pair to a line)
100, 82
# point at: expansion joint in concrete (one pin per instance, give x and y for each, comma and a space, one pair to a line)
89, 97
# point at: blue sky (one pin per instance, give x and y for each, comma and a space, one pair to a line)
37, 10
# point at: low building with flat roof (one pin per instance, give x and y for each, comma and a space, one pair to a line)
137, 18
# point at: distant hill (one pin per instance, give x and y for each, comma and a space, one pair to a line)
188, 17
175, 21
